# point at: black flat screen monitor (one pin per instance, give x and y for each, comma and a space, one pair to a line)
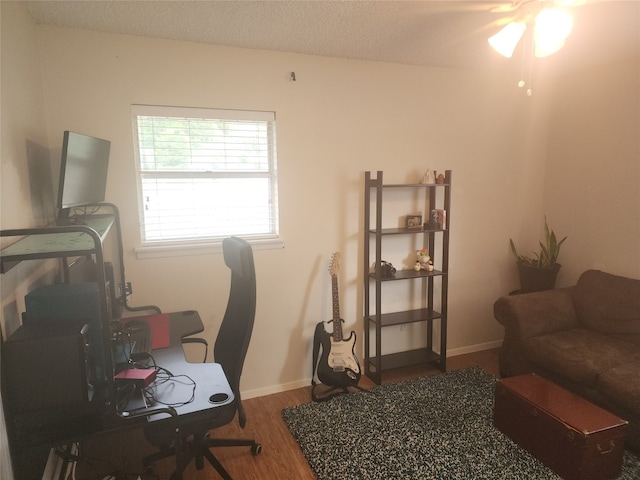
83, 172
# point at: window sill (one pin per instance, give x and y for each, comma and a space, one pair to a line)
164, 251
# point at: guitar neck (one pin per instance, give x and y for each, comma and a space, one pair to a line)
337, 322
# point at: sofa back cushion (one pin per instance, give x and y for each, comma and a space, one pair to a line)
608, 303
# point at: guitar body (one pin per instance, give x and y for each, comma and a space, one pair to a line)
338, 365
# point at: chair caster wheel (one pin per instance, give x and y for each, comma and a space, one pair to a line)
256, 449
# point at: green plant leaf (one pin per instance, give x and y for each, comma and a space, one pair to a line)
513, 248
549, 250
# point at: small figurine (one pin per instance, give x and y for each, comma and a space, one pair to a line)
440, 179
429, 177
425, 260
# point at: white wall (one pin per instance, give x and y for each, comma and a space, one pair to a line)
24, 165
592, 186
339, 119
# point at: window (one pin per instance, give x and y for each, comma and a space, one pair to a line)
205, 174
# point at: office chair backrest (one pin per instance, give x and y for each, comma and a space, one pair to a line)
234, 335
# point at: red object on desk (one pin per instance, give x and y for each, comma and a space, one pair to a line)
159, 324
143, 376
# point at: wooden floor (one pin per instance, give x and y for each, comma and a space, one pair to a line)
281, 457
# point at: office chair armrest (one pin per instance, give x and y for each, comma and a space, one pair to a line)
198, 340
147, 412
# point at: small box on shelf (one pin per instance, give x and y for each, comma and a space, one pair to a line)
437, 220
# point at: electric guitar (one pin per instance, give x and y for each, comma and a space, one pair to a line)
338, 365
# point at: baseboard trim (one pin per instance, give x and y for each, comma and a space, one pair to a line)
282, 387
261, 392
474, 348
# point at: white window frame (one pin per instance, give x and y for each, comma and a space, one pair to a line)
205, 244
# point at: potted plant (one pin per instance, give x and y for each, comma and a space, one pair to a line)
539, 272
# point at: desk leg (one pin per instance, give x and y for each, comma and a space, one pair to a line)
179, 456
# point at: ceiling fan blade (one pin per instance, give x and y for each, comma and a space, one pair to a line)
512, 6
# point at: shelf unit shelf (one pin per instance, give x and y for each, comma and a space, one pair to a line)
404, 231
437, 196
404, 317
406, 274
403, 359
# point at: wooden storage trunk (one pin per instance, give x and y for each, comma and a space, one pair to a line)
570, 435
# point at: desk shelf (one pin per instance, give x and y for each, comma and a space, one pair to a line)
55, 241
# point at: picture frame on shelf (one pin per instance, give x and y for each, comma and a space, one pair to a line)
413, 222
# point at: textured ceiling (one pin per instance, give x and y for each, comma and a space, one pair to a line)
438, 33
446, 33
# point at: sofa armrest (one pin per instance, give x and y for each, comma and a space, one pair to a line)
527, 315
533, 314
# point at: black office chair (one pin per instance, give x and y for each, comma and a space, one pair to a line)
230, 350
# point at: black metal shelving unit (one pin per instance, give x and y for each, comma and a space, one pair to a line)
374, 320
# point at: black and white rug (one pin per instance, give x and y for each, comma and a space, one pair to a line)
436, 427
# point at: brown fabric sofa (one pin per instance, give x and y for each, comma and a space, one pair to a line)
585, 338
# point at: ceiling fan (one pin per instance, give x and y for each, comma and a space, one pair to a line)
551, 21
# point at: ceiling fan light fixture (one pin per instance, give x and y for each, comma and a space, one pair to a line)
505, 41
551, 30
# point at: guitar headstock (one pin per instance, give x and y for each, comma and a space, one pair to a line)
334, 266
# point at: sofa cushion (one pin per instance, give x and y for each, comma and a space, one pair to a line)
608, 303
635, 339
578, 354
622, 385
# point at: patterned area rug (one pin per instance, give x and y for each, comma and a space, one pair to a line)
436, 427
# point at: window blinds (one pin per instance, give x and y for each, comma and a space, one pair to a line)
205, 174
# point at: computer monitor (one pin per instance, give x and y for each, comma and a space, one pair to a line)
83, 172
